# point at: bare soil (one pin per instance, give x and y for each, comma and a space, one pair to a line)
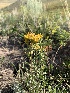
8, 54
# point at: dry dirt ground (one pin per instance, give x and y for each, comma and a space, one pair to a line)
2, 5
8, 54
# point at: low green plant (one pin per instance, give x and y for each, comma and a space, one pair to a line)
40, 76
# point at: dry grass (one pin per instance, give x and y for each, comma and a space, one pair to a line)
56, 4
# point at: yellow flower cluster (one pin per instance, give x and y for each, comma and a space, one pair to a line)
32, 37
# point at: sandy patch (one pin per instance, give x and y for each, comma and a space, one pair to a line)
2, 5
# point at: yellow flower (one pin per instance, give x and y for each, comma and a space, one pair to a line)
38, 37
29, 36
32, 37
